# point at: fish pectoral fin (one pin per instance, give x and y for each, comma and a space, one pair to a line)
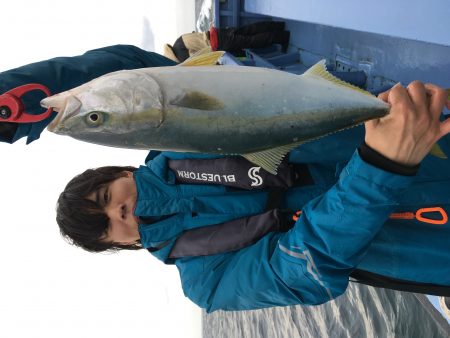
198, 100
270, 159
319, 70
437, 151
204, 57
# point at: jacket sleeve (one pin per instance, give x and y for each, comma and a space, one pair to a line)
63, 73
311, 263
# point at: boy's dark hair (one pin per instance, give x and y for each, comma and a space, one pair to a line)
83, 222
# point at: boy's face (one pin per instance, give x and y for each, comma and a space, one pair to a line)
118, 199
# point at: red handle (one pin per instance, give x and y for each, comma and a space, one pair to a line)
12, 109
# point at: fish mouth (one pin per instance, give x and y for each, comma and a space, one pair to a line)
65, 105
55, 122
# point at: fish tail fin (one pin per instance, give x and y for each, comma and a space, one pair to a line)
438, 152
204, 57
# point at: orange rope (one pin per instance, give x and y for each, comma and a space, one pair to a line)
419, 215
402, 215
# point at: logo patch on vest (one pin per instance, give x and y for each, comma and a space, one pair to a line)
253, 174
206, 177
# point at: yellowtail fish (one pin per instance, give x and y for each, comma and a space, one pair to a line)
260, 114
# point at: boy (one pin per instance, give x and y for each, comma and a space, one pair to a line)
232, 243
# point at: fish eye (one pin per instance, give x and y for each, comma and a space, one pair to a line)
94, 119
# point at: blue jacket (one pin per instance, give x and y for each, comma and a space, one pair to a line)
344, 225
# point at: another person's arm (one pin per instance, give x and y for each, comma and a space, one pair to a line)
63, 73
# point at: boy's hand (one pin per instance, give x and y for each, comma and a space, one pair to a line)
412, 127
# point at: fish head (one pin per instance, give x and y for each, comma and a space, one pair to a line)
115, 104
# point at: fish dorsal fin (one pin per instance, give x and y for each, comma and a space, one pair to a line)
202, 51
204, 57
270, 159
319, 70
437, 151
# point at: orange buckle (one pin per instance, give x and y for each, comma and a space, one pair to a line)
420, 215
296, 215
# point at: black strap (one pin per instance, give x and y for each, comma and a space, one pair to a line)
380, 281
230, 236
375, 158
237, 172
275, 198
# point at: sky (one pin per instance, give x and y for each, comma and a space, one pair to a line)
47, 287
